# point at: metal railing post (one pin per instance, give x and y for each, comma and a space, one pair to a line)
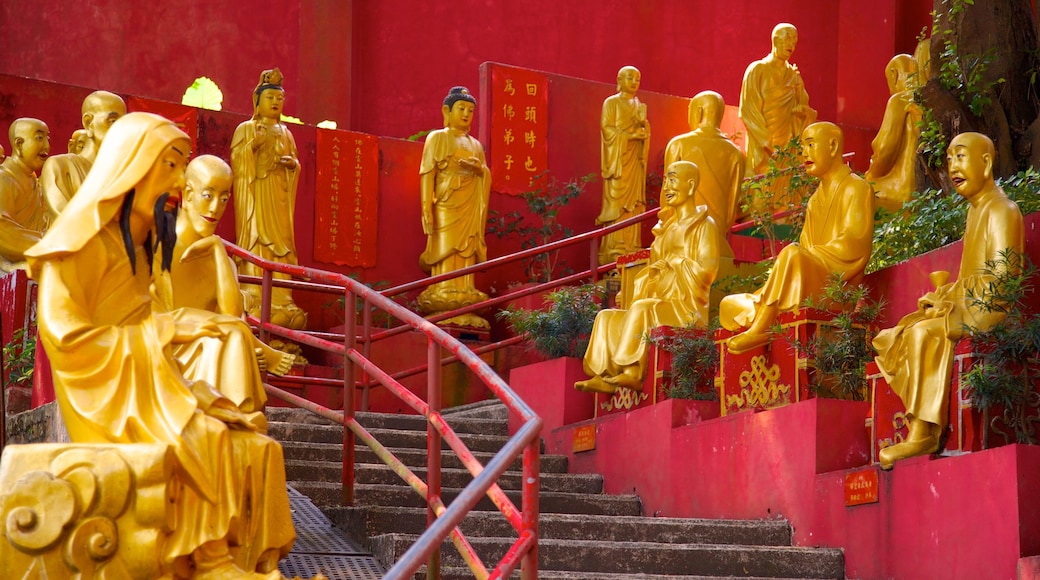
433, 449
594, 259
530, 508
349, 342
265, 304
366, 350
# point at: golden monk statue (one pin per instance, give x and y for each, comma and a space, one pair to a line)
836, 239
78, 141
200, 275
63, 174
892, 165
625, 138
22, 215
773, 103
117, 383
671, 291
916, 356
720, 161
267, 172
456, 185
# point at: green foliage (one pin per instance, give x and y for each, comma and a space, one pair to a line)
565, 327
420, 135
291, 119
544, 203
204, 94
20, 356
932, 142
842, 350
963, 74
1005, 382
785, 187
754, 278
380, 318
695, 362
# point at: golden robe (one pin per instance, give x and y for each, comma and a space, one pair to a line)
916, 356
671, 291
836, 239
623, 167
60, 179
768, 94
892, 171
22, 215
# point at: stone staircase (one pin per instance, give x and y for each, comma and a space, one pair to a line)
584, 534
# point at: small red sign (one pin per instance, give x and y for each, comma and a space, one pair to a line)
861, 487
585, 438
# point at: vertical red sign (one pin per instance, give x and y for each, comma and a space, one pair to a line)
518, 144
346, 198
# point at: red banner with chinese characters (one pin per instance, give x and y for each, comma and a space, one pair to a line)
346, 198
518, 143
185, 117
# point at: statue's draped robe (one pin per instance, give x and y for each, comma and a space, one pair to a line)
22, 215
623, 167
671, 291
768, 94
916, 356
892, 166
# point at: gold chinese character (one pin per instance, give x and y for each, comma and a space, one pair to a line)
508, 137
509, 162
529, 165
532, 89
531, 114
530, 138
357, 248
509, 87
508, 112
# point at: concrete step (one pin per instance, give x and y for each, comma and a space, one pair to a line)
466, 574
487, 409
388, 437
412, 457
381, 474
461, 424
329, 494
370, 521
643, 557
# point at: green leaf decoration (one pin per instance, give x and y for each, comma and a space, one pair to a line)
294, 120
327, 124
204, 94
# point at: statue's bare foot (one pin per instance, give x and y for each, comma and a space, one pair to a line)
911, 448
746, 341
229, 571
278, 362
595, 385
629, 378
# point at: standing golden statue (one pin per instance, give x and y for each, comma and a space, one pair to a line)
720, 161
456, 186
22, 215
892, 171
671, 291
773, 103
267, 172
63, 174
625, 140
916, 356
836, 239
226, 509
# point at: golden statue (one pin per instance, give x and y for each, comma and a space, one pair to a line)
267, 172
199, 275
671, 291
836, 239
892, 165
720, 161
78, 141
63, 174
456, 186
625, 138
773, 103
22, 215
916, 356
226, 509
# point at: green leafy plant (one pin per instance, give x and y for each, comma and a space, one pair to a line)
20, 356
565, 327
695, 361
784, 187
544, 202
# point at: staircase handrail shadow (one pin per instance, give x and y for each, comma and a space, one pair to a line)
442, 520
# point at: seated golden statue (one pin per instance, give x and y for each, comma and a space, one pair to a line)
773, 103
916, 356
267, 172
625, 140
117, 382
892, 165
78, 141
836, 239
720, 161
22, 215
200, 275
671, 291
63, 174
455, 188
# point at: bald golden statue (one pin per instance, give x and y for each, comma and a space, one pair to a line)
720, 161
836, 239
117, 382
916, 356
63, 174
773, 103
78, 141
625, 139
671, 291
267, 173
892, 164
455, 187
22, 215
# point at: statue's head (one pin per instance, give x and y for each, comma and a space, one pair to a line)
822, 145
78, 141
30, 142
901, 73
207, 190
970, 161
628, 80
100, 110
680, 181
458, 109
706, 109
269, 96
785, 38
